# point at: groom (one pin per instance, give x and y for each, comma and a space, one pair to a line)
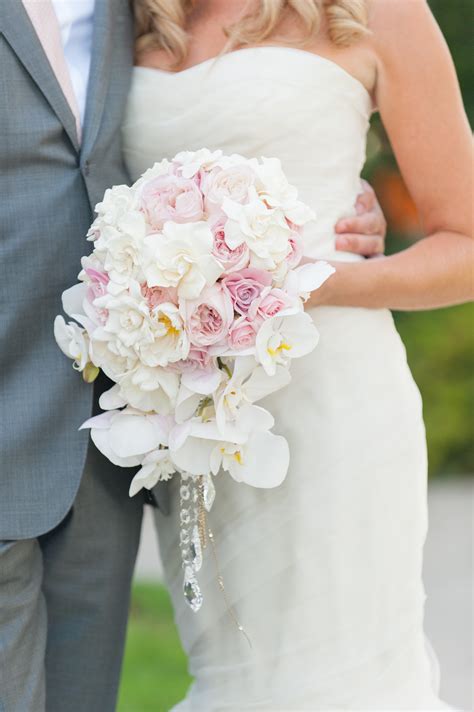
68, 531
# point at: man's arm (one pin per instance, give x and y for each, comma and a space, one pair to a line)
364, 233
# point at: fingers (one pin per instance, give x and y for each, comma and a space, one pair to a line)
363, 233
366, 245
367, 224
366, 201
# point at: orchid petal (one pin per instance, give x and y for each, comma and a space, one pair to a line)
265, 461
133, 435
102, 421
73, 298
147, 477
194, 456
260, 384
203, 381
178, 435
100, 438
111, 399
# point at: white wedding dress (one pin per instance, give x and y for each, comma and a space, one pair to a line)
325, 571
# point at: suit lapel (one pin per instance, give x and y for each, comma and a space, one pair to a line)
100, 72
21, 36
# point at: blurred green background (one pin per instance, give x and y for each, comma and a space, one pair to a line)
440, 346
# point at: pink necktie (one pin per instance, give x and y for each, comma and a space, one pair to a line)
45, 22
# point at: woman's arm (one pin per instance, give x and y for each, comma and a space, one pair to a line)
419, 99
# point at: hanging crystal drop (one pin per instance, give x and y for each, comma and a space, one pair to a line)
196, 549
192, 592
184, 492
209, 492
185, 516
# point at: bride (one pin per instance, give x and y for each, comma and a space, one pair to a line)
324, 572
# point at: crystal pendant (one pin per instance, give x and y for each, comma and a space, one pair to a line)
192, 592
185, 492
209, 492
196, 549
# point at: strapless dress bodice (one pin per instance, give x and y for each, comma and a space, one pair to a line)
263, 101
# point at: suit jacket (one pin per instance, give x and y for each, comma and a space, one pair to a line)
48, 187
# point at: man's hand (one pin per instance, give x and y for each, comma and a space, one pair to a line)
364, 233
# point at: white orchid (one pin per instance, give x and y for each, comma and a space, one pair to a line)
279, 193
254, 455
157, 467
306, 278
126, 436
284, 337
73, 342
129, 437
181, 257
248, 384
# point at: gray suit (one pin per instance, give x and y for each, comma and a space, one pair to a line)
68, 531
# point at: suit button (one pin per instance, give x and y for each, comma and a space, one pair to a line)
86, 168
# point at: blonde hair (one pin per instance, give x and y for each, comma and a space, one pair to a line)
161, 24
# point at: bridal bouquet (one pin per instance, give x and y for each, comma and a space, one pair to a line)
192, 303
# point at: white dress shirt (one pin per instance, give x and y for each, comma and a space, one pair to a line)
76, 20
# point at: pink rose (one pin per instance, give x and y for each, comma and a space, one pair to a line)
209, 316
268, 305
231, 260
293, 258
241, 334
159, 295
96, 287
171, 197
245, 286
234, 183
197, 358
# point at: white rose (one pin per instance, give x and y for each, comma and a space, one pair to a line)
170, 341
191, 162
235, 183
161, 168
106, 355
150, 389
117, 201
119, 248
181, 257
265, 231
129, 323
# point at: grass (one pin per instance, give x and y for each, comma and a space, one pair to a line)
154, 674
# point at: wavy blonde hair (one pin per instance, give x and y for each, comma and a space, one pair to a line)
161, 24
